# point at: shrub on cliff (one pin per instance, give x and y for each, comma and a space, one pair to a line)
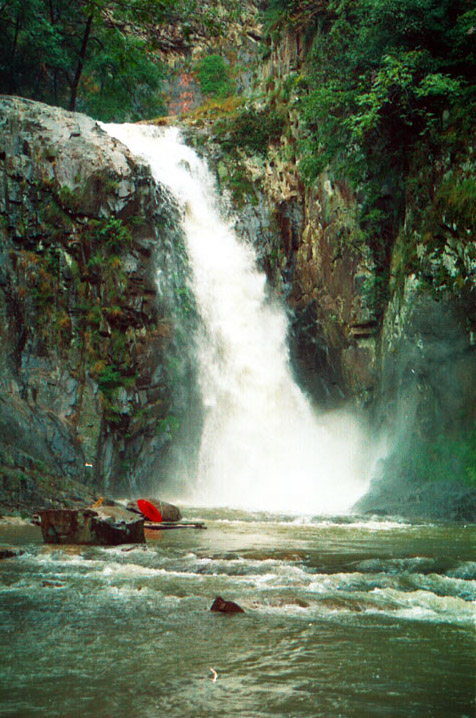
380, 76
380, 80
214, 77
250, 129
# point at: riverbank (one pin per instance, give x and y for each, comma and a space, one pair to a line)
433, 501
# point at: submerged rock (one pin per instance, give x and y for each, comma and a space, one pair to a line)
105, 526
9, 552
219, 604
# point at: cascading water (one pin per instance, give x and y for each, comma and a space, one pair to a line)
262, 447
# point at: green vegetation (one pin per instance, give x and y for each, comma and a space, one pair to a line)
85, 55
379, 78
443, 459
436, 240
90, 321
250, 129
97, 56
111, 233
213, 76
240, 131
385, 88
210, 111
456, 199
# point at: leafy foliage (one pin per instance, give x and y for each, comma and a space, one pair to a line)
250, 129
381, 78
445, 458
84, 55
112, 233
381, 74
294, 12
457, 200
97, 56
109, 379
213, 77
123, 83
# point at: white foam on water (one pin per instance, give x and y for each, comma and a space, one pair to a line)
427, 606
465, 570
263, 446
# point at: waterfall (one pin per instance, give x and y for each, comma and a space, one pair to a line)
263, 446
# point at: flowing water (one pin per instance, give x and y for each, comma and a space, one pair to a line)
343, 618
262, 446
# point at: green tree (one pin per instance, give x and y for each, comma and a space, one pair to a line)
380, 76
213, 76
380, 80
91, 54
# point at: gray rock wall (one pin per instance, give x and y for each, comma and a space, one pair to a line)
397, 339
84, 388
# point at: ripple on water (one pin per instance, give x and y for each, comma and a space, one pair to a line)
426, 605
335, 612
465, 570
415, 564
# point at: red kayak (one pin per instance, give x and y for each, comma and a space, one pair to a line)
150, 511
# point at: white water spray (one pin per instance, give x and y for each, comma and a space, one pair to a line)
262, 447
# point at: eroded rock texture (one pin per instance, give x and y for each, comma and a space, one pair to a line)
84, 388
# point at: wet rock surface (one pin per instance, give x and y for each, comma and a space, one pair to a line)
221, 606
9, 552
396, 494
84, 388
169, 512
106, 526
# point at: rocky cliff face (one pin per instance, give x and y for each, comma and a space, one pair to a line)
84, 384
399, 341
91, 357
307, 238
391, 333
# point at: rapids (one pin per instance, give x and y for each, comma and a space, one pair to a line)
344, 617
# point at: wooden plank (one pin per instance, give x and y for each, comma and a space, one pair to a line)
164, 526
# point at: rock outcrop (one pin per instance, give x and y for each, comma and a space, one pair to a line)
104, 526
168, 512
9, 552
84, 387
398, 340
220, 605
384, 316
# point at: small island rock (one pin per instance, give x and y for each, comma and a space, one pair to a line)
9, 552
104, 526
219, 604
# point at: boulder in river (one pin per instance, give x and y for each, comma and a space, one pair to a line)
169, 512
9, 552
219, 604
105, 526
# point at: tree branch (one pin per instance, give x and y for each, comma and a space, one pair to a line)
80, 65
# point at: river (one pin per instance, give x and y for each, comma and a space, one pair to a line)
345, 617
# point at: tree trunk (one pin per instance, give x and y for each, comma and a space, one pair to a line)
11, 71
79, 66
